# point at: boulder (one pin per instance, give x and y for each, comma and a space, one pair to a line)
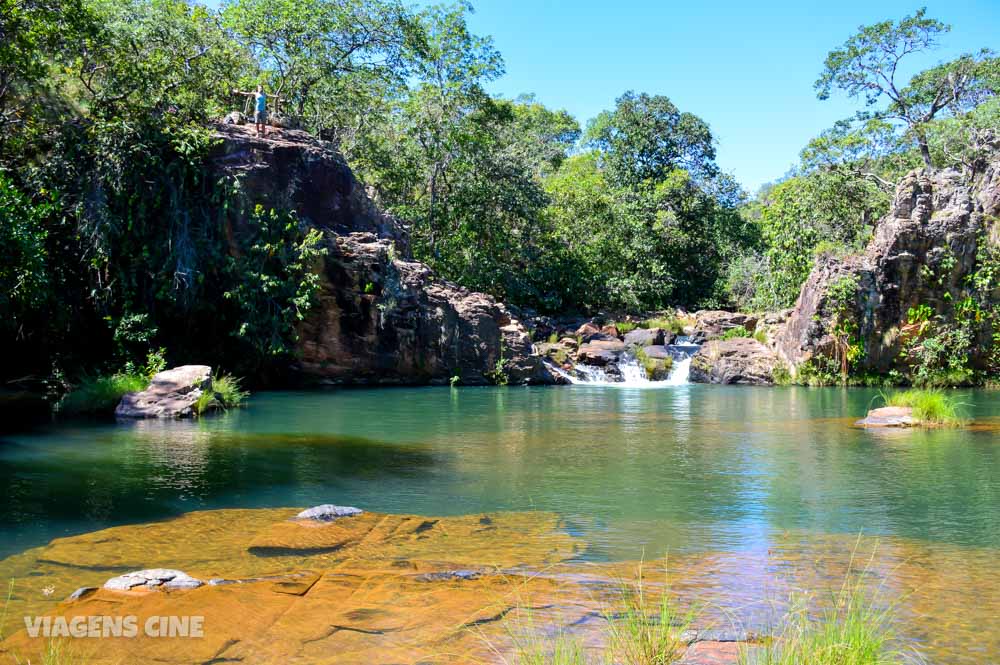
711, 324
587, 329
235, 118
657, 351
889, 416
611, 331
734, 361
171, 394
923, 252
154, 578
646, 337
328, 512
600, 352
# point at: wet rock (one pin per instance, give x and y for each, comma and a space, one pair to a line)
646, 337
328, 512
235, 118
735, 361
171, 394
711, 324
151, 579
657, 351
82, 592
448, 575
889, 416
600, 352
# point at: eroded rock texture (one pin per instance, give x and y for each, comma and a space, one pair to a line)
382, 318
923, 253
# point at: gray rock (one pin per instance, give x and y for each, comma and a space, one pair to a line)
82, 592
644, 337
600, 352
171, 394
740, 360
445, 576
328, 512
151, 579
658, 352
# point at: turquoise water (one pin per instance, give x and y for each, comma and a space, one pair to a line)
634, 472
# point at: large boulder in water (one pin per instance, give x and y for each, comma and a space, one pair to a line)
648, 337
600, 352
171, 394
924, 253
734, 361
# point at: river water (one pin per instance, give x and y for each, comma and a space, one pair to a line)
764, 482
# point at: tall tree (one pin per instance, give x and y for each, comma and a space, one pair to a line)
869, 62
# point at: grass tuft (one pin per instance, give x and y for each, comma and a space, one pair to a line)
854, 629
931, 406
671, 323
226, 393
647, 631
101, 394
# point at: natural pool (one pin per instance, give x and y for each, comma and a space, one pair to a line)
756, 489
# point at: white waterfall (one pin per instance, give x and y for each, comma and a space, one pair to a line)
632, 373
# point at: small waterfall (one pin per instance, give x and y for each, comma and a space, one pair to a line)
628, 373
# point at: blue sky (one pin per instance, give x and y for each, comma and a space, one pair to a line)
746, 67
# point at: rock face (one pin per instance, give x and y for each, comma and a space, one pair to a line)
647, 337
734, 361
171, 394
381, 318
922, 253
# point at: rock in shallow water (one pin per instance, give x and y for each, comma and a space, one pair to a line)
171, 394
328, 512
889, 416
153, 578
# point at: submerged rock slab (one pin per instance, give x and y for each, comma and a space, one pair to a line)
171, 394
889, 416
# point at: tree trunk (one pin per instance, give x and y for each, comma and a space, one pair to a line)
925, 151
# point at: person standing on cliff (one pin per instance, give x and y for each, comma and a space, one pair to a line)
260, 108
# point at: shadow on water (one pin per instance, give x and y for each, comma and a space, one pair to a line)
98, 477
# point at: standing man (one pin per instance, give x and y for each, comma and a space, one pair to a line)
260, 108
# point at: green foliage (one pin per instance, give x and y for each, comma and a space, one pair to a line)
625, 326
656, 369
733, 333
101, 394
670, 323
23, 257
226, 393
275, 281
930, 406
498, 374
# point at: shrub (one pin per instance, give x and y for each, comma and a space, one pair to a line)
101, 394
644, 630
930, 406
671, 323
626, 326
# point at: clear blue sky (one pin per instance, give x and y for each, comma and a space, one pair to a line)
746, 67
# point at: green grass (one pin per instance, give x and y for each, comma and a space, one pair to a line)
553, 338
671, 323
855, 629
226, 393
930, 406
626, 327
101, 394
733, 333
647, 630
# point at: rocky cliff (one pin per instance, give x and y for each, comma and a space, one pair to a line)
922, 255
382, 318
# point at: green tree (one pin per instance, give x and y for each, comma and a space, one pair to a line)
868, 63
646, 137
